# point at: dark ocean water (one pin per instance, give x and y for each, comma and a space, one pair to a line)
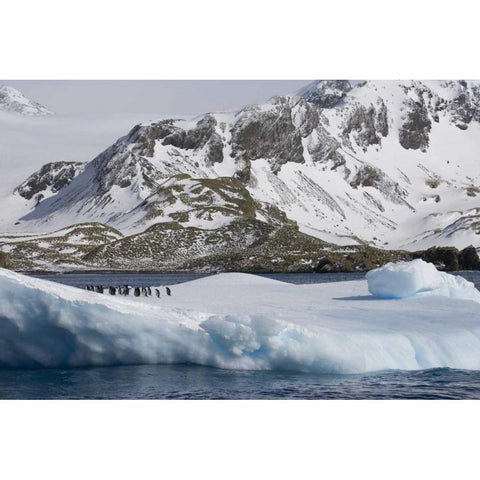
80, 280
195, 382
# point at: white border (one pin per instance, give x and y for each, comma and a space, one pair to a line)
239, 440
95, 39
252, 39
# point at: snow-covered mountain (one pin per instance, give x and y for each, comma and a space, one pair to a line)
393, 164
11, 100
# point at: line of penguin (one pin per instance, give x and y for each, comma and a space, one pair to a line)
137, 291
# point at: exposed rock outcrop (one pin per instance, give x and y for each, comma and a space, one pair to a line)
415, 129
49, 179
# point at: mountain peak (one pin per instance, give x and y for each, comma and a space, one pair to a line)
12, 100
325, 93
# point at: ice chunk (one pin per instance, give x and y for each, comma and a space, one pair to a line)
405, 279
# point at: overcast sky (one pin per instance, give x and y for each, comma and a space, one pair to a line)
170, 97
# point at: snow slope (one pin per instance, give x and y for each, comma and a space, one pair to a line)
236, 321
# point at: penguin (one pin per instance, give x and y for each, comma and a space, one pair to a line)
169, 292
157, 292
111, 290
136, 292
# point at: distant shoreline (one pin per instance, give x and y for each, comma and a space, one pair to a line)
191, 272
172, 272
107, 272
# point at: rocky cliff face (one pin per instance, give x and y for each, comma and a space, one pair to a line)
326, 93
272, 133
49, 180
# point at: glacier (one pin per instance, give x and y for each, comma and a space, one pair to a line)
240, 321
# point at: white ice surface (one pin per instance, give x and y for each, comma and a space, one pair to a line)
236, 321
404, 279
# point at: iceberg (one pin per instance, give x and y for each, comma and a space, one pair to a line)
404, 279
241, 321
